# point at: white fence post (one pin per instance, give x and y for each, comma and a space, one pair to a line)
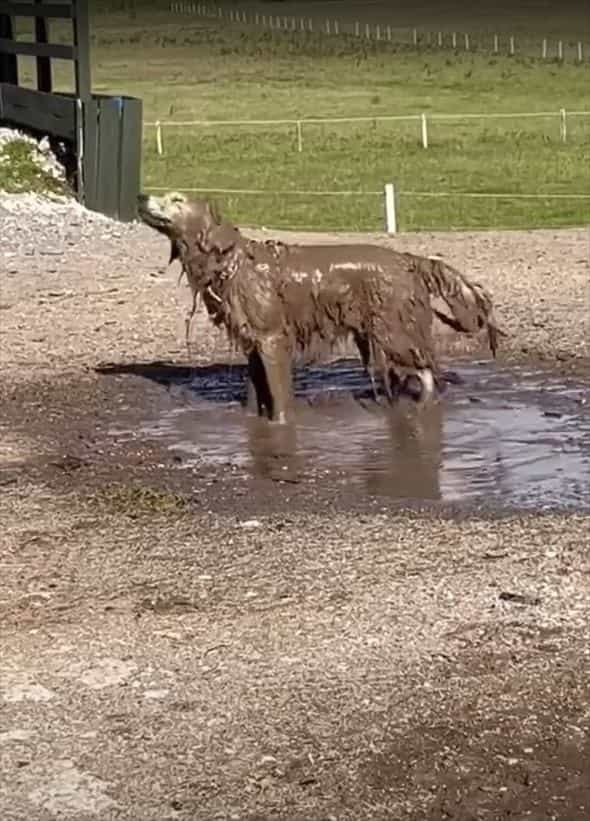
496, 44
377, 32
511, 46
563, 125
390, 215
424, 131
299, 137
357, 29
159, 143
336, 27
367, 31
414, 37
580, 53
454, 39
440, 39
466, 36
544, 49
560, 50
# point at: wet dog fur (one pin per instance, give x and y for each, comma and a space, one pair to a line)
277, 301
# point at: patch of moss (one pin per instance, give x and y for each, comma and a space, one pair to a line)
135, 501
19, 173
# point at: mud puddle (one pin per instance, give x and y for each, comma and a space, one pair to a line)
500, 437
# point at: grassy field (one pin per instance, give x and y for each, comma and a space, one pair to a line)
193, 69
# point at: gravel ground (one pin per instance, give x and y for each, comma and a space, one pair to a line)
178, 645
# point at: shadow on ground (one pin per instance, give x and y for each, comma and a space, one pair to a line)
167, 373
226, 383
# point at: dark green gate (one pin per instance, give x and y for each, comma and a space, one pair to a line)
111, 154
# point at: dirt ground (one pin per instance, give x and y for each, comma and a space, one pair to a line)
179, 644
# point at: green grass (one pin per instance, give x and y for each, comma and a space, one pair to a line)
19, 173
362, 157
189, 69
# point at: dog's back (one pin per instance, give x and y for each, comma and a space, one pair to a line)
330, 292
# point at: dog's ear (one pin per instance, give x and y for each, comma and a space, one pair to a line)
214, 212
221, 238
174, 252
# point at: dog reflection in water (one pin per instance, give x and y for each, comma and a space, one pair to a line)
412, 470
401, 459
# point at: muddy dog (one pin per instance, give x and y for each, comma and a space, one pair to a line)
276, 300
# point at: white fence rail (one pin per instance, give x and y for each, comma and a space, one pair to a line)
492, 43
389, 194
422, 120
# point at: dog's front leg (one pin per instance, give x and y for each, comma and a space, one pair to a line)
276, 358
189, 318
258, 393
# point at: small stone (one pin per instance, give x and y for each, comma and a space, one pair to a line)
156, 695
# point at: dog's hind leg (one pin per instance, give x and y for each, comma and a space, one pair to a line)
421, 385
426, 377
393, 382
275, 356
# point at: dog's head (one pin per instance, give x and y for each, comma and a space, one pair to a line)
195, 223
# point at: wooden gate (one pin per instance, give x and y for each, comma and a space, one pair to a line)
105, 133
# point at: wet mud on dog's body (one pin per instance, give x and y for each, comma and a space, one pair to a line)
277, 301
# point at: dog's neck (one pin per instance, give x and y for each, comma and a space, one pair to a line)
210, 273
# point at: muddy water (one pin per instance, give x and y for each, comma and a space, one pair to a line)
501, 436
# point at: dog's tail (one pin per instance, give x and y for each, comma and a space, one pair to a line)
465, 306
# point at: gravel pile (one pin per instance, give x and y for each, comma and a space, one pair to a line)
49, 224
35, 225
